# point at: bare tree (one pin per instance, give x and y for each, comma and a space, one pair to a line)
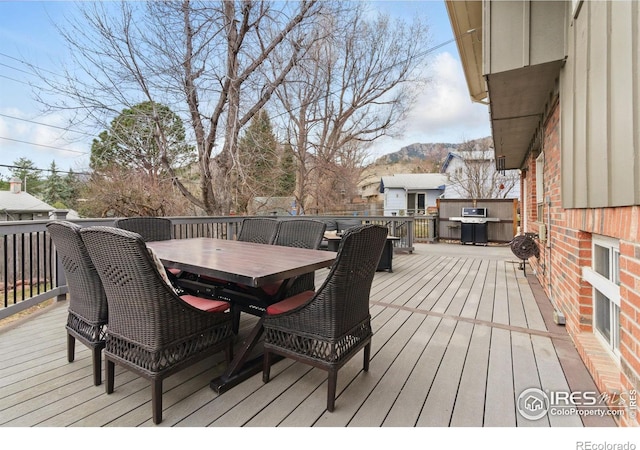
474, 174
116, 191
349, 90
207, 61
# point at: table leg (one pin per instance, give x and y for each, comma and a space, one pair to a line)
333, 244
239, 368
386, 258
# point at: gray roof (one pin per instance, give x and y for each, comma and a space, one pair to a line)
22, 202
415, 181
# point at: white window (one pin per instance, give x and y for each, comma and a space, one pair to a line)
604, 276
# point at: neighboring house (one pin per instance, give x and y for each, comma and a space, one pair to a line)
564, 99
473, 174
18, 205
370, 189
412, 193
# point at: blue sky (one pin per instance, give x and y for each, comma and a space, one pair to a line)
444, 112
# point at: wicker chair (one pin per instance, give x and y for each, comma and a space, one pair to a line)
152, 331
259, 230
87, 316
150, 228
327, 328
301, 233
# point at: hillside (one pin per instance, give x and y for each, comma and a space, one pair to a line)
420, 158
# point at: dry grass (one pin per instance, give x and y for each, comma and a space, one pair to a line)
27, 312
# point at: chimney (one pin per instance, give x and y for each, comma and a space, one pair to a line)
15, 185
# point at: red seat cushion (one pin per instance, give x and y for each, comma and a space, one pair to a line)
271, 289
206, 304
290, 303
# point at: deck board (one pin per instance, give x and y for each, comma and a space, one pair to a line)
500, 410
458, 334
440, 403
525, 373
470, 401
435, 333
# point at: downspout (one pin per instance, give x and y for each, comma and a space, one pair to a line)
558, 315
548, 247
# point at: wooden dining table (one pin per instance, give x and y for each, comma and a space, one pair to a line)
245, 263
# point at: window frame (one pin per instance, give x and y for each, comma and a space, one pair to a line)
609, 287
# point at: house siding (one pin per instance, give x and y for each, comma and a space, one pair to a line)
395, 201
601, 112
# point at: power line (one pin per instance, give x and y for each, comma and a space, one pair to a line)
16, 68
46, 124
283, 114
9, 166
15, 80
42, 145
27, 64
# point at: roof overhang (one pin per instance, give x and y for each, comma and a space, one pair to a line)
517, 104
466, 23
517, 97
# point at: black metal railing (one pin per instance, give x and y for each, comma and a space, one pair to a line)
30, 272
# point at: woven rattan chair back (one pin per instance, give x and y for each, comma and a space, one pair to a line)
150, 228
330, 328
87, 316
152, 332
301, 233
259, 230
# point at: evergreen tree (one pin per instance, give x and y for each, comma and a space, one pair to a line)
258, 150
54, 186
135, 164
287, 182
133, 141
258, 173
72, 187
29, 175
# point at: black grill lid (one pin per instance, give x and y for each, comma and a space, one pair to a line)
474, 212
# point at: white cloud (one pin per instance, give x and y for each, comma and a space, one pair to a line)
443, 112
446, 104
39, 143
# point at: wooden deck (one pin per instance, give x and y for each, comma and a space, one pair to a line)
460, 332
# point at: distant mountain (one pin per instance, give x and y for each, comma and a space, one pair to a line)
418, 158
432, 153
417, 152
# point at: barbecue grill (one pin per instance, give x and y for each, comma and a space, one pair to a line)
474, 225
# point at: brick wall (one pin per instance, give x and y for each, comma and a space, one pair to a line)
568, 249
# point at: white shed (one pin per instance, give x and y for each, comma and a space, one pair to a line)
411, 193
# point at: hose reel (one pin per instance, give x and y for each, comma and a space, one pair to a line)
524, 247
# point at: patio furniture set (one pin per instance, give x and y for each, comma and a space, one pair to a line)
157, 305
